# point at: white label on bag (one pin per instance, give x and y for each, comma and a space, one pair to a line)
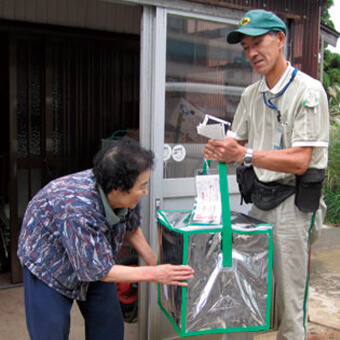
208, 202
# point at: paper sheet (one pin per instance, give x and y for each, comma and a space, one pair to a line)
208, 200
213, 128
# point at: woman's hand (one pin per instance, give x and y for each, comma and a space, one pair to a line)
173, 274
164, 273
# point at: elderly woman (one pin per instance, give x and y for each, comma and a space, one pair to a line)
71, 233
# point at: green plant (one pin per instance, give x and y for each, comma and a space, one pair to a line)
331, 82
331, 70
334, 104
332, 199
325, 16
331, 187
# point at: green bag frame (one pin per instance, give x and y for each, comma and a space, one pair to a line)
226, 232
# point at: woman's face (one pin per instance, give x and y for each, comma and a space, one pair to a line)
139, 189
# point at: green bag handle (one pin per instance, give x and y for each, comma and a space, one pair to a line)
227, 237
115, 135
206, 166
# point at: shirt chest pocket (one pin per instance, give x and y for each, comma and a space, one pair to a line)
287, 130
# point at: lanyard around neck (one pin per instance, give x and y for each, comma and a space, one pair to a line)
269, 101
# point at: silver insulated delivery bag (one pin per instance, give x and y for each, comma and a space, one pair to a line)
232, 284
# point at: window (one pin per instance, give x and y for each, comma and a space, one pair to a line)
204, 75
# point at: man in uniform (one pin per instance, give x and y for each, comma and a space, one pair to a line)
284, 120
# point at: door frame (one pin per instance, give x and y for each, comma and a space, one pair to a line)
163, 193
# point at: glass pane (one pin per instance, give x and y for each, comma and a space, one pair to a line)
204, 75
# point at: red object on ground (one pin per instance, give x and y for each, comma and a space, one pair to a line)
127, 291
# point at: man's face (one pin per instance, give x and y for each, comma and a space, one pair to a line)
263, 51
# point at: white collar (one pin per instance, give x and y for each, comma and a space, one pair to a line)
280, 84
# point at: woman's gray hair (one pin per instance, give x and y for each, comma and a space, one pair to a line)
118, 166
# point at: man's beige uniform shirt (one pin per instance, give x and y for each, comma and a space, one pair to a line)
304, 120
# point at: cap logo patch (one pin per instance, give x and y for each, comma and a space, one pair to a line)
245, 21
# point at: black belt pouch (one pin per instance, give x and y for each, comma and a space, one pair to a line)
308, 189
245, 177
267, 196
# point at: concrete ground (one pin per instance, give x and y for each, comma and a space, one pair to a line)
324, 300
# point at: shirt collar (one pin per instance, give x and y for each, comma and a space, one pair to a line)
111, 216
280, 84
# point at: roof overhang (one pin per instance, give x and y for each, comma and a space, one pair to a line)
329, 35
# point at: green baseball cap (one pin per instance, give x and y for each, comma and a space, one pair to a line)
254, 23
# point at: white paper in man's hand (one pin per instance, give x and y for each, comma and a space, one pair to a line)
213, 128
